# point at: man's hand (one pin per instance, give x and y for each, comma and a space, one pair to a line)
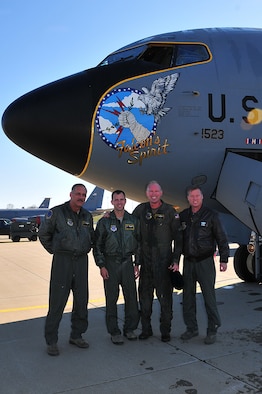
104, 273
223, 267
174, 267
136, 271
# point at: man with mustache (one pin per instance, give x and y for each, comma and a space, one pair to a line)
67, 232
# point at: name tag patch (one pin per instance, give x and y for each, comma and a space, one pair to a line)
129, 226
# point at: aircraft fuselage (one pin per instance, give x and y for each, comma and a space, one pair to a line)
170, 107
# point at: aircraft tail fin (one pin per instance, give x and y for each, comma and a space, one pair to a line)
45, 203
95, 199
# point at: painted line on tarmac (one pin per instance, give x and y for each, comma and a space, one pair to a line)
102, 300
28, 308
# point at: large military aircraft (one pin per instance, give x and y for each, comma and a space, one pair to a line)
93, 204
24, 213
94, 201
182, 108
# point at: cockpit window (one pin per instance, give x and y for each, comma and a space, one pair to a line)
123, 56
164, 55
188, 54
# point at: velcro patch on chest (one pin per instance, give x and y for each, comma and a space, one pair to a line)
129, 226
159, 216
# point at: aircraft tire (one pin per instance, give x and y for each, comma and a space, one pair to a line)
244, 264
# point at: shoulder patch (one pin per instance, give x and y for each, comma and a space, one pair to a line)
49, 214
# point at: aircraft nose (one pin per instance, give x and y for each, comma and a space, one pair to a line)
54, 122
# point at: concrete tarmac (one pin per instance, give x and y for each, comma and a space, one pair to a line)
232, 365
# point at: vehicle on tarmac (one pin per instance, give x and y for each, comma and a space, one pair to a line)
5, 226
18, 229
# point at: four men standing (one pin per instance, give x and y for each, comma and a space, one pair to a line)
151, 238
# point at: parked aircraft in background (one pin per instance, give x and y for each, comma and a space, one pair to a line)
182, 108
45, 203
94, 202
24, 213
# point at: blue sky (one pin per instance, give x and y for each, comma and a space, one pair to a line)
42, 41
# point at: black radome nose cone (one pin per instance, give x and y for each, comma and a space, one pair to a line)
53, 122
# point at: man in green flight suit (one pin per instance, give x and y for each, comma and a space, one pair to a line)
67, 233
116, 245
161, 243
